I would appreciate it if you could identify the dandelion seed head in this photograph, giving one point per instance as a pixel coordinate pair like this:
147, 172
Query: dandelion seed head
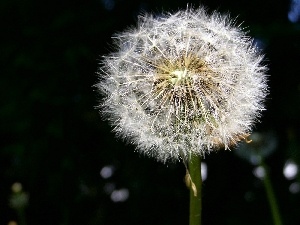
182, 84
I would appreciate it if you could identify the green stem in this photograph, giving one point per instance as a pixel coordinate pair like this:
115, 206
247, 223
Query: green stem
195, 201
271, 196
21, 215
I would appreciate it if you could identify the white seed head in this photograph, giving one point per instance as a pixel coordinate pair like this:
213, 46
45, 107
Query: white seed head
182, 84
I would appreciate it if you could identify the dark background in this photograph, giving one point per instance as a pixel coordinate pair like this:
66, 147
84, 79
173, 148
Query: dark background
55, 144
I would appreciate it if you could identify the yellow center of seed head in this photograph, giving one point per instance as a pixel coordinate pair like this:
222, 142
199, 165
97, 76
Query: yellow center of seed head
179, 76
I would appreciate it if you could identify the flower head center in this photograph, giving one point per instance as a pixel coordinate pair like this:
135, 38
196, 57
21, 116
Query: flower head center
178, 76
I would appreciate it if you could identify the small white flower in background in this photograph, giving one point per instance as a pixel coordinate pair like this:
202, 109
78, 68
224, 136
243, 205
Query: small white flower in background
182, 84
19, 199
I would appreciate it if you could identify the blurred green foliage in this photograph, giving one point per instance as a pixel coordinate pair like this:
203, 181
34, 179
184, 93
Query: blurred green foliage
55, 144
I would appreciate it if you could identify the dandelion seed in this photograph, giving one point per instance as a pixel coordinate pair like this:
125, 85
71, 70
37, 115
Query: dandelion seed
182, 84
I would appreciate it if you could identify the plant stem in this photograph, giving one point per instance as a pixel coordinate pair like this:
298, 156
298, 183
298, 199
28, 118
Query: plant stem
195, 193
271, 196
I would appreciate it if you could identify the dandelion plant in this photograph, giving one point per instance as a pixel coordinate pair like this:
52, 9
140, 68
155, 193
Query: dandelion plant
181, 85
